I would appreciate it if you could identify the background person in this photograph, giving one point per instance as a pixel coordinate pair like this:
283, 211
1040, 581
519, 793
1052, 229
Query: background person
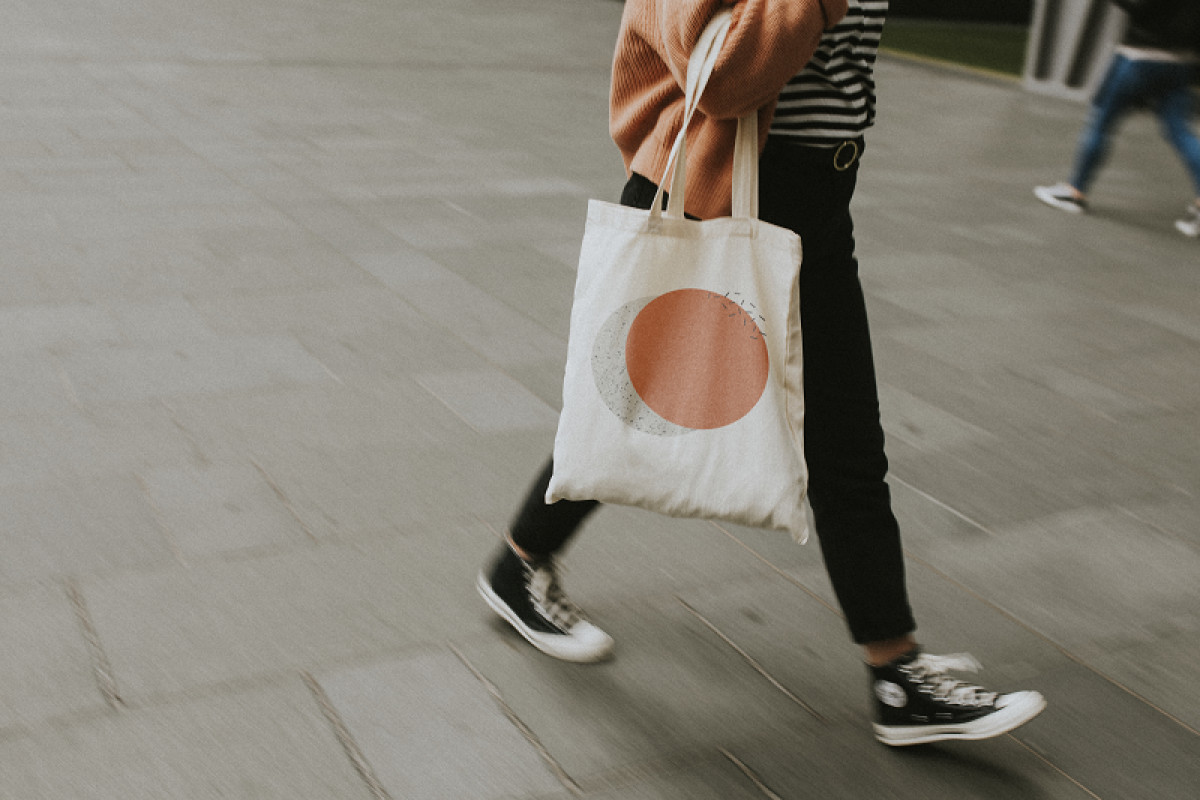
1154, 65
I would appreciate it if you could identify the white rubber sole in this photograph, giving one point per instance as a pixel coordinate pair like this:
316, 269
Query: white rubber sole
1047, 196
586, 644
1022, 707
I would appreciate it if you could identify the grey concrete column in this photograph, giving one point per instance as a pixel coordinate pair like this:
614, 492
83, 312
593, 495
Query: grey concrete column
1070, 42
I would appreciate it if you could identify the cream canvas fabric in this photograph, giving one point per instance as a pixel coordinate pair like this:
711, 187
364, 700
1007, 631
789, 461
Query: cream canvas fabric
683, 391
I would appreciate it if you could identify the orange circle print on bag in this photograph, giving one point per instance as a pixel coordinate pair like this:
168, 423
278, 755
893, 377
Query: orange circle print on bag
686, 360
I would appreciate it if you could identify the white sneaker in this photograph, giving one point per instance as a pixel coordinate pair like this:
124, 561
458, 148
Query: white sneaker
1190, 224
1062, 196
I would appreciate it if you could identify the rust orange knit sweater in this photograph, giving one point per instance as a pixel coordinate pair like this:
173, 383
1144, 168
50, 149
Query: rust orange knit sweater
769, 41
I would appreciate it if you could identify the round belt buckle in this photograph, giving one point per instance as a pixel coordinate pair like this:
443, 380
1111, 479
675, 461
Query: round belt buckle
845, 155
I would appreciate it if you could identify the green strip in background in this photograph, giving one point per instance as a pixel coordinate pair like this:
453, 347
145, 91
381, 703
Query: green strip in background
997, 48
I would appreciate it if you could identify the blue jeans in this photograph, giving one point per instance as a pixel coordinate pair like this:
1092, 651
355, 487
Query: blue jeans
1162, 85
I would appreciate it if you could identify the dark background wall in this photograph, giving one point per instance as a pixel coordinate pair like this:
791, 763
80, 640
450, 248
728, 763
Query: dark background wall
1015, 11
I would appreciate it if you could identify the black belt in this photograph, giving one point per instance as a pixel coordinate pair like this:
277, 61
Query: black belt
841, 156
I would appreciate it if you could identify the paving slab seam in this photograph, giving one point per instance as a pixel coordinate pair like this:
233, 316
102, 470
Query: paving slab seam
197, 692
500, 535
751, 775
263, 552
284, 500
150, 702
1033, 752
309, 352
679, 761
782, 573
551, 763
188, 436
346, 739
1160, 529
69, 389
168, 535
101, 666
757, 667
188, 562
944, 506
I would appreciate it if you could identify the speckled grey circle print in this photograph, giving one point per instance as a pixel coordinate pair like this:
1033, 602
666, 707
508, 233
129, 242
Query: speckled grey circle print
612, 375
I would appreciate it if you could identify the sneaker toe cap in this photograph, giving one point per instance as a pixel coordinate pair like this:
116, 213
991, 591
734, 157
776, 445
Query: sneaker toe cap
589, 643
583, 644
1021, 702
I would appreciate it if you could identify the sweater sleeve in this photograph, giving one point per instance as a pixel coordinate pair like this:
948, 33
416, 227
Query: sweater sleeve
769, 41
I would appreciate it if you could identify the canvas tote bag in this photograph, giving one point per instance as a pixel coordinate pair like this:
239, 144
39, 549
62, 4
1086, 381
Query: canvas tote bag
683, 391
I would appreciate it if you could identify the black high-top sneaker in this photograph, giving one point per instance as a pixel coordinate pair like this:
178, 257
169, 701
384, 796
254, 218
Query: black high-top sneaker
527, 594
916, 702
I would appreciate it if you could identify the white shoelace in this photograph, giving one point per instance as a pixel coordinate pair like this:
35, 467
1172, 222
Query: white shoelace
930, 672
549, 599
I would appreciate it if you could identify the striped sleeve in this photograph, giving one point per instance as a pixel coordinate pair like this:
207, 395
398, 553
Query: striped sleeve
833, 98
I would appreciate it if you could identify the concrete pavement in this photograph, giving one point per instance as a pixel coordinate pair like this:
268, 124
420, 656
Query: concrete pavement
286, 288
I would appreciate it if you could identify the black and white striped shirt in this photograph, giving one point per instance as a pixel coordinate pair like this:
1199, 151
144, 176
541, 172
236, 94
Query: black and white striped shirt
833, 98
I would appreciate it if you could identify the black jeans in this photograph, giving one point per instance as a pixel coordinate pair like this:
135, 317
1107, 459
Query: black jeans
808, 190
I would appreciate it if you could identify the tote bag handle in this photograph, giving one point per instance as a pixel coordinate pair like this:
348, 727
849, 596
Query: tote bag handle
745, 151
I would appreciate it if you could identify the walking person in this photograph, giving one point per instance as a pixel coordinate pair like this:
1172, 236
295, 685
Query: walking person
807, 67
1154, 65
